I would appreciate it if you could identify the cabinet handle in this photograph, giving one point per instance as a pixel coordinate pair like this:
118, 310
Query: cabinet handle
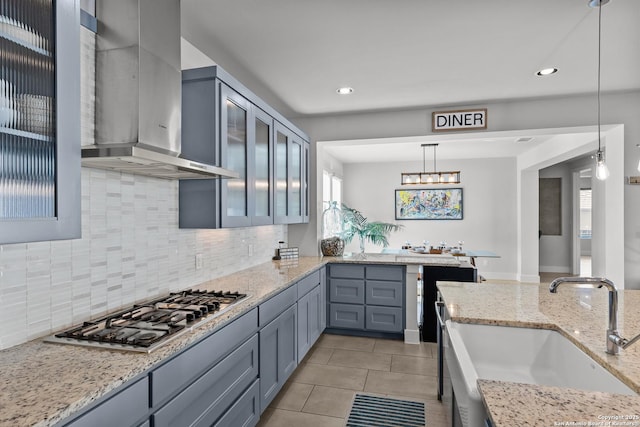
439, 304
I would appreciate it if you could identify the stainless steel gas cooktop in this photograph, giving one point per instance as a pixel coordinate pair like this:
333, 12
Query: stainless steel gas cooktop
145, 327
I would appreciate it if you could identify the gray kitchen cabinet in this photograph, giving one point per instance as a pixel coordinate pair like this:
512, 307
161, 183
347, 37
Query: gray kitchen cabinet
306, 170
184, 369
384, 293
349, 291
236, 153
127, 407
261, 166
278, 354
213, 393
309, 309
385, 319
40, 122
346, 316
200, 385
290, 175
245, 412
366, 299
323, 298
225, 124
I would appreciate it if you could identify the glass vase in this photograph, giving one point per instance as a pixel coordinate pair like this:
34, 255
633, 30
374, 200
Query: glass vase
332, 243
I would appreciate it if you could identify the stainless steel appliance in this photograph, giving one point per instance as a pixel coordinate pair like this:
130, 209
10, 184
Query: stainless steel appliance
145, 327
138, 93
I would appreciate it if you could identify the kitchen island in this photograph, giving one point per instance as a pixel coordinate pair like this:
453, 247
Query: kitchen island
579, 314
44, 383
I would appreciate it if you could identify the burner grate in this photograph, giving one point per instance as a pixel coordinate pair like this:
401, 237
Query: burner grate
144, 327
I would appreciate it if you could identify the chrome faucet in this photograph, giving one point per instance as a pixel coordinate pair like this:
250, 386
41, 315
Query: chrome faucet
614, 340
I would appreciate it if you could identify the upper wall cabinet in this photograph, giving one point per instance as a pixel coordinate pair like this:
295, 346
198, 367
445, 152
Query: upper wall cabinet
39, 120
291, 194
227, 125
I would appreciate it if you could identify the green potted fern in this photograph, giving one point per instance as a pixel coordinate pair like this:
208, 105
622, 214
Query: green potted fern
355, 224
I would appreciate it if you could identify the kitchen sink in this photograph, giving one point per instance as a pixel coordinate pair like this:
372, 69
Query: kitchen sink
524, 355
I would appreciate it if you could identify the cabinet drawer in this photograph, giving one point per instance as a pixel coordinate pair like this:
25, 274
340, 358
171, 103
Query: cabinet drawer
384, 319
126, 408
346, 316
349, 291
208, 398
185, 368
347, 271
385, 272
308, 283
383, 293
271, 308
245, 412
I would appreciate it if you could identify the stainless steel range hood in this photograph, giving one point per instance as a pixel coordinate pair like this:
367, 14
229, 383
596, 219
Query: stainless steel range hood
138, 92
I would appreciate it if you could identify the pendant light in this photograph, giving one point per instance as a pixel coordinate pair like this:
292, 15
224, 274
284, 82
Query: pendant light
602, 171
434, 177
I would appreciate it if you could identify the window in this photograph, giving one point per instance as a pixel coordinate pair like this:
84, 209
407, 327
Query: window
331, 189
585, 213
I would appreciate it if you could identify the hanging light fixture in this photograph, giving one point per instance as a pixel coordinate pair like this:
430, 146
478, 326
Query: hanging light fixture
435, 177
602, 171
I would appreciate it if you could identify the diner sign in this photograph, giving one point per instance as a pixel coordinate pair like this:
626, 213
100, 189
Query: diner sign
458, 120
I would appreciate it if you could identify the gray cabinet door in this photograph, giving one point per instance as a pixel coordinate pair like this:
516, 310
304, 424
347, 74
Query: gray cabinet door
245, 412
40, 129
209, 397
393, 273
179, 372
236, 199
384, 319
346, 316
278, 354
127, 408
346, 271
261, 173
383, 293
309, 311
350, 291
291, 191
323, 299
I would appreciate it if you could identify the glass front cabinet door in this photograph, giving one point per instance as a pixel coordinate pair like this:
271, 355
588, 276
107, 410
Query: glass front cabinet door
235, 155
39, 120
290, 192
261, 125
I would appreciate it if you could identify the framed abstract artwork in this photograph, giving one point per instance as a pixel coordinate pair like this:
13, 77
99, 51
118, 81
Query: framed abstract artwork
445, 203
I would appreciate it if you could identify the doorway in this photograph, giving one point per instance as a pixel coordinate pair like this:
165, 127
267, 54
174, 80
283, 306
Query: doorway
585, 223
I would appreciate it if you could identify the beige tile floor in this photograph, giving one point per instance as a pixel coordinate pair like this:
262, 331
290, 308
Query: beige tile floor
321, 390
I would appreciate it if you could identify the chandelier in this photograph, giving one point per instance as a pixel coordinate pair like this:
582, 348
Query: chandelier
434, 177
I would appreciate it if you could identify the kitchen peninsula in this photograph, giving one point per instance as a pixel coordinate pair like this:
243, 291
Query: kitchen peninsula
579, 315
44, 384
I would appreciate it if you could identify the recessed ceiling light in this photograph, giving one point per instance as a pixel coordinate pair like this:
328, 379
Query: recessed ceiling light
523, 139
345, 90
547, 71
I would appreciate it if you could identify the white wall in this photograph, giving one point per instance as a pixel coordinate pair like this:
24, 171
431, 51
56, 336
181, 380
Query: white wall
489, 208
622, 108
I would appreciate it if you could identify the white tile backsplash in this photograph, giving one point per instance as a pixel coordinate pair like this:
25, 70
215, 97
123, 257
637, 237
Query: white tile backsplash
129, 251
131, 247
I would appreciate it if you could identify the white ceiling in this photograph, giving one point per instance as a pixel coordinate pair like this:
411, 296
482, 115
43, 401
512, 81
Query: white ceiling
416, 53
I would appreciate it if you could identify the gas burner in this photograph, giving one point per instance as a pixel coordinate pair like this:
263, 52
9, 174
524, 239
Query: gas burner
145, 327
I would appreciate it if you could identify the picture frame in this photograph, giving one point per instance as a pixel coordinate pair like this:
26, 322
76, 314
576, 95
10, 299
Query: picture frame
429, 204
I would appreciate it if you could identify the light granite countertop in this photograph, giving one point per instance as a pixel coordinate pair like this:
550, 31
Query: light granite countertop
581, 315
43, 383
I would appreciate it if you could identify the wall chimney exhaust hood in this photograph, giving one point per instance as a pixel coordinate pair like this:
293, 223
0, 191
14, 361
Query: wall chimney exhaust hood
138, 93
